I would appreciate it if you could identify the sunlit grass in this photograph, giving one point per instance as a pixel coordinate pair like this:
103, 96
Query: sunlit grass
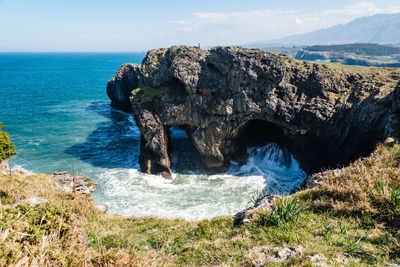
351, 217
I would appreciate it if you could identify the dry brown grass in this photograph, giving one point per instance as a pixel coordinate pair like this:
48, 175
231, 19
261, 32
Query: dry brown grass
71, 231
51, 234
363, 187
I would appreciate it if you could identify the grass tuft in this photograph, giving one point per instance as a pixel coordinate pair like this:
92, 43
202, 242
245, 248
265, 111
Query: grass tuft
287, 211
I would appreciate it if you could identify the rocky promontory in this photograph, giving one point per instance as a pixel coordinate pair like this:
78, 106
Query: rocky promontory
227, 99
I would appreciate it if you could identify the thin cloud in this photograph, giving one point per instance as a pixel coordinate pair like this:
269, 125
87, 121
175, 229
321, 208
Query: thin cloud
180, 22
363, 9
214, 17
265, 24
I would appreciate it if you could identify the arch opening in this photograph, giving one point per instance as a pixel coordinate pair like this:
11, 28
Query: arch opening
257, 133
263, 150
183, 154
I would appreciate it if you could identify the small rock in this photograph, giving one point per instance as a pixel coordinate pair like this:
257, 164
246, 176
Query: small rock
266, 254
65, 182
103, 208
312, 181
131, 218
85, 239
390, 141
244, 216
317, 259
394, 265
33, 201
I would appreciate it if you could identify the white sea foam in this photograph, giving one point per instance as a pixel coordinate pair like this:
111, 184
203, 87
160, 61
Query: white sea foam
16, 167
198, 196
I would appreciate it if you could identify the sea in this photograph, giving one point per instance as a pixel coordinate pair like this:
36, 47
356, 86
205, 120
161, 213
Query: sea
57, 111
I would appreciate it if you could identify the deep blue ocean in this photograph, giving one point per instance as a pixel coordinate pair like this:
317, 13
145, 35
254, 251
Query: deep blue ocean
57, 111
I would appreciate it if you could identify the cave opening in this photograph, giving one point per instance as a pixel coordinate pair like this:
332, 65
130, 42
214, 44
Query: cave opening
263, 149
257, 133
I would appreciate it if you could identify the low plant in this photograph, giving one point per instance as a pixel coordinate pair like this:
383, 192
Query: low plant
343, 229
257, 196
288, 210
354, 248
395, 198
328, 229
382, 187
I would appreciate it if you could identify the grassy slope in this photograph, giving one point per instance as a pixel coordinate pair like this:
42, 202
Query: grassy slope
352, 212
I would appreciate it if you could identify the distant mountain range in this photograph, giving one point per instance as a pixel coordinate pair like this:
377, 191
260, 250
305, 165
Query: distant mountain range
380, 29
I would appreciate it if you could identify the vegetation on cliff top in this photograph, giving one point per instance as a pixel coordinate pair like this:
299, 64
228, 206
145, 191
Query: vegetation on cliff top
6, 146
361, 82
146, 93
357, 48
352, 219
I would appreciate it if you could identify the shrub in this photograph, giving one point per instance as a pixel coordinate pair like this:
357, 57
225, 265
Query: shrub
4, 145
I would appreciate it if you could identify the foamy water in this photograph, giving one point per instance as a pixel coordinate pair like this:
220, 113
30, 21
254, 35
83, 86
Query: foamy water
195, 195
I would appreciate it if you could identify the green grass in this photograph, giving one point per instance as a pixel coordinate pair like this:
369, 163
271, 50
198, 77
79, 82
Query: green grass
146, 93
352, 216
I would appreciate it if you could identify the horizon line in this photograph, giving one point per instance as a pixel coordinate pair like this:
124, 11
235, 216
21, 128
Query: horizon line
49, 52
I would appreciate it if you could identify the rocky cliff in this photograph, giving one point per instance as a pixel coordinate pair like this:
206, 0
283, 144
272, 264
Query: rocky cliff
229, 98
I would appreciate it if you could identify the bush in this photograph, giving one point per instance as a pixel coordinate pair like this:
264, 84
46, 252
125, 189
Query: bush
4, 145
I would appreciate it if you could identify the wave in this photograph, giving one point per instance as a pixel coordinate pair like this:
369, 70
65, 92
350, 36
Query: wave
281, 171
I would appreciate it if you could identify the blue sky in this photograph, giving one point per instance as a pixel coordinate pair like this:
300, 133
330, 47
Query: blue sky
122, 25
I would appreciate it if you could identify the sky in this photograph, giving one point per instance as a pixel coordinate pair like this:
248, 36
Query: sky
136, 26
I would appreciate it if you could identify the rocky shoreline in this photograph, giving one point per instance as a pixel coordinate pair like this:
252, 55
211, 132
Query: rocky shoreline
229, 98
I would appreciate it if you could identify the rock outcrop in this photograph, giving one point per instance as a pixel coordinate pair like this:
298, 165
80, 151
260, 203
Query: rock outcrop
267, 254
265, 203
65, 182
229, 98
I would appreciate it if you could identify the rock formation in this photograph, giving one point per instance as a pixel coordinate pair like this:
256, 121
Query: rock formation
227, 99
65, 182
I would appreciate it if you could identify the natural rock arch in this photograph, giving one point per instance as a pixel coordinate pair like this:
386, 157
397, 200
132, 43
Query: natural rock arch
329, 114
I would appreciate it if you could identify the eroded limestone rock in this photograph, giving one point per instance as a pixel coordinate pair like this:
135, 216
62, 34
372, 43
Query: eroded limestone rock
228, 98
65, 182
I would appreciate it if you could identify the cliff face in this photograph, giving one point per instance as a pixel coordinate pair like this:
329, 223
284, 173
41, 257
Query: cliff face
227, 99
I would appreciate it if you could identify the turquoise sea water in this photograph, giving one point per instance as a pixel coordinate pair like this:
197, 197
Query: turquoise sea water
56, 108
